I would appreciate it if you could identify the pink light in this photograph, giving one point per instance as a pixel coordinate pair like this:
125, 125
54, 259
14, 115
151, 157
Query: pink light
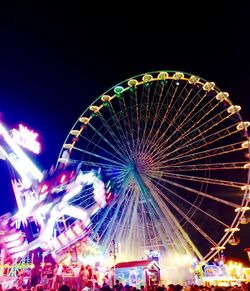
44, 188
14, 243
12, 237
27, 138
19, 255
63, 178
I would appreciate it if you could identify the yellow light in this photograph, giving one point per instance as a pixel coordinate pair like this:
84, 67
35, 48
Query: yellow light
233, 229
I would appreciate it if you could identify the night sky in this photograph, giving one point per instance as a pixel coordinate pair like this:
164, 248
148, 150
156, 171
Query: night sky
57, 59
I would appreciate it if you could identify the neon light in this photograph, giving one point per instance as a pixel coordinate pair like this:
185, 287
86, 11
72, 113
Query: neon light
18, 249
44, 188
17, 266
27, 138
16, 155
12, 237
13, 244
63, 178
19, 255
47, 213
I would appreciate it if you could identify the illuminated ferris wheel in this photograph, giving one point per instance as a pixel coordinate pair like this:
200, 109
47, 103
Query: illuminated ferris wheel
174, 151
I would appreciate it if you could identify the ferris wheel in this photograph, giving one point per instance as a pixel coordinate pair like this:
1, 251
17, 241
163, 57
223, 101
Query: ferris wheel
174, 150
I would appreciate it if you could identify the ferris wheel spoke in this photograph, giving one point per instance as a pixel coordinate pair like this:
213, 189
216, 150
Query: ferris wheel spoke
202, 194
178, 237
202, 155
193, 205
117, 133
167, 94
208, 125
120, 222
203, 167
145, 107
115, 140
189, 134
133, 109
119, 138
186, 135
190, 106
164, 220
119, 113
112, 230
183, 215
150, 232
204, 141
187, 117
159, 129
103, 217
183, 102
124, 122
153, 208
146, 226
153, 115
138, 122
160, 97
227, 183
199, 139
191, 222
151, 111
100, 157
196, 117
129, 218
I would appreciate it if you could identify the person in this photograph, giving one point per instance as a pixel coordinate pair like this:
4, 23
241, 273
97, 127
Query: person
87, 287
49, 273
76, 271
34, 277
20, 278
59, 278
170, 287
39, 287
118, 286
96, 286
177, 287
64, 287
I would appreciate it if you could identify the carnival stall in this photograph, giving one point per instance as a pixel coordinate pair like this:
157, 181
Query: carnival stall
138, 273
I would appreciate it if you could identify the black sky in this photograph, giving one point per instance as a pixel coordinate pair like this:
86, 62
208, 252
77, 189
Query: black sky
55, 59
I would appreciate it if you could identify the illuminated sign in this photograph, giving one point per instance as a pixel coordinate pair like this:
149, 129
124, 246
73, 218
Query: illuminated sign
17, 266
27, 138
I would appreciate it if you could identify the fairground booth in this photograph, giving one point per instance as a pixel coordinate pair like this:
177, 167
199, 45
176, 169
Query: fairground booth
138, 273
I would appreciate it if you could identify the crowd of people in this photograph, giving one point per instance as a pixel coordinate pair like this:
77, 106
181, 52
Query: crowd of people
76, 277
118, 286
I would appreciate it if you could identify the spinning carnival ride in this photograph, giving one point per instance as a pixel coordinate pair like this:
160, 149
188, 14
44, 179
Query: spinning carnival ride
44, 200
176, 152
